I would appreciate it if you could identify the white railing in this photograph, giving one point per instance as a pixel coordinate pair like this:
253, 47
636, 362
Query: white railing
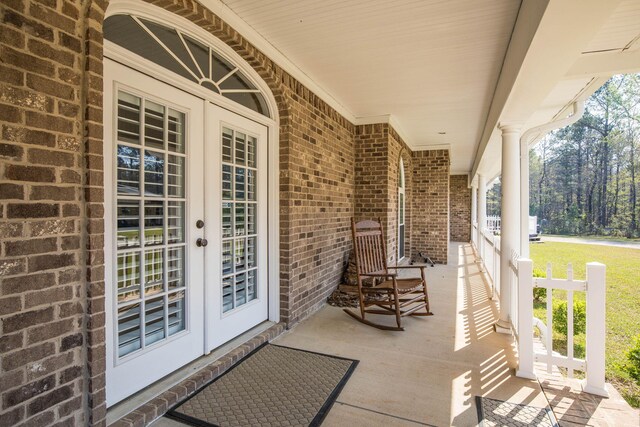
491, 261
493, 224
513, 285
594, 289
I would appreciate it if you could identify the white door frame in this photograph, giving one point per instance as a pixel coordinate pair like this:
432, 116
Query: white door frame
130, 365
127, 58
122, 55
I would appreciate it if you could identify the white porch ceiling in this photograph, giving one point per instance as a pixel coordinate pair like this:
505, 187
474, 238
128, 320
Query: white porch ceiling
454, 66
432, 65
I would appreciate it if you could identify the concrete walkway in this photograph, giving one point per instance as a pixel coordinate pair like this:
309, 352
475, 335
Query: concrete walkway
586, 241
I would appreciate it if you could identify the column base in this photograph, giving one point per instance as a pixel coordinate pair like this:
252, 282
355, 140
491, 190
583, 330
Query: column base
526, 374
598, 391
502, 327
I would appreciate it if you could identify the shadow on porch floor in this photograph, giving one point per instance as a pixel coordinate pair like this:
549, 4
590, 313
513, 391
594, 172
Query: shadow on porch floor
430, 373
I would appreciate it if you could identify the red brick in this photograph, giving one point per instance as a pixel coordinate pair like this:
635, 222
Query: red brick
28, 136
10, 114
48, 262
28, 391
11, 191
48, 331
11, 342
26, 319
49, 122
50, 87
29, 173
9, 151
32, 246
33, 210
48, 400
50, 157
27, 283
12, 417
10, 267
25, 61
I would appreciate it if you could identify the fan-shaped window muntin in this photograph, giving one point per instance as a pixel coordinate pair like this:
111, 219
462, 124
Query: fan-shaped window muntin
182, 54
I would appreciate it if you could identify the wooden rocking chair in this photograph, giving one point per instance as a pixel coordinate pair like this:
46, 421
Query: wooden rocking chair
392, 296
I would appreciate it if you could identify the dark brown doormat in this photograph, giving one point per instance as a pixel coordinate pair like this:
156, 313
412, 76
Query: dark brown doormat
272, 386
493, 412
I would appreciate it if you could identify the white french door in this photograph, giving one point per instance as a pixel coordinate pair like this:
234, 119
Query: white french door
236, 273
185, 247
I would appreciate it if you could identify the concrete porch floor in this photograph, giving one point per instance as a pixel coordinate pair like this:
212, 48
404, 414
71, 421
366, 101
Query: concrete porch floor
430, 373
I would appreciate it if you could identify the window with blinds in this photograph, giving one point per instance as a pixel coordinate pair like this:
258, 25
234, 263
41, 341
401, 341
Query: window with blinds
150, 247
239, 229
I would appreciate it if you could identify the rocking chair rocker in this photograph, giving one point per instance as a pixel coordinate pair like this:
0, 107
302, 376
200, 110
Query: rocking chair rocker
392, 296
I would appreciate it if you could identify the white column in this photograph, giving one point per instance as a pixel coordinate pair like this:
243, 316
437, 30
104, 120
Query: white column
474, 213
524, 198
482, 213
510, 218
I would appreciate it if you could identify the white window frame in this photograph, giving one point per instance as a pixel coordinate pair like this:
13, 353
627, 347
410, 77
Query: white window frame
401, 212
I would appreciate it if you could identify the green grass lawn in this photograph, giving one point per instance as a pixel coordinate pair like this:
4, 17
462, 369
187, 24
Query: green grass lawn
623, 300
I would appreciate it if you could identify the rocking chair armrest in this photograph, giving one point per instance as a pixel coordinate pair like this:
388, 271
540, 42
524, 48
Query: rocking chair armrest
397, 267
379, 275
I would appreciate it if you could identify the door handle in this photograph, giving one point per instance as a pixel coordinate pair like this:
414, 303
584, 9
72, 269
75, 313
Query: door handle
201, 242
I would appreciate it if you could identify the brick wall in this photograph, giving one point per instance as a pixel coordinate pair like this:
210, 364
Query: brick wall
316, 199
460, 208
47, 137
378, 151
430, 204
52, 204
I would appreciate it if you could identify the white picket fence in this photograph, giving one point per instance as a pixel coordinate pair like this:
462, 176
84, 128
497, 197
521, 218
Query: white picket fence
594, 288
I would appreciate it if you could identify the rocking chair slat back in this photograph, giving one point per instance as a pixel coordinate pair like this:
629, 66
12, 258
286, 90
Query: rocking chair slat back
369, 248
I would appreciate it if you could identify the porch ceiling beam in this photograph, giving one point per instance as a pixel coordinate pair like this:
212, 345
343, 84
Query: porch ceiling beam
529, 16
605, 64
539, 56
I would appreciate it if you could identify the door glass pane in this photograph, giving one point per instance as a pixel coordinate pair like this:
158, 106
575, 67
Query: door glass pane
175, 268
128, 118
227, 182
240, 174
154, 129
227, 219
153, 173
239, 218
128, 170
128, 217
153, 223
251, 218
251, 185
153, 271
176, 312
227, 257
251, 151
175, 131
227, 145
175, 222
154, 320
128, 276
175, 176
150, 250
128, 329
240, 147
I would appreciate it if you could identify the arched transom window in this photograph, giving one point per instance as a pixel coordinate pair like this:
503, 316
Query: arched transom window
172, 49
